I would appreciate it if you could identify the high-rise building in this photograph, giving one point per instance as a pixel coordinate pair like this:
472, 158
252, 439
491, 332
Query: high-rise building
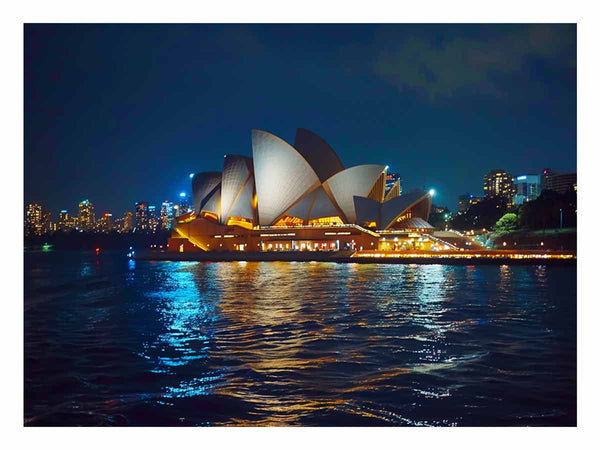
559, 182
167, 215
127, 222
499, 183
153, 219
66, 222
33, 220
73, 223
105, 224
141, 216
87, 216
526, 188
118, 224
124, 224
545, 177
184, 203
63, 220
46, 221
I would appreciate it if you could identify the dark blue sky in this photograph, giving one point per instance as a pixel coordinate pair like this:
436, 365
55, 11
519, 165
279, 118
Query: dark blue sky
123, 113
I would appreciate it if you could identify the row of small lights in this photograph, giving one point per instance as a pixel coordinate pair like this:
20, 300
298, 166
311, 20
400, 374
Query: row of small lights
459, 255
504, 244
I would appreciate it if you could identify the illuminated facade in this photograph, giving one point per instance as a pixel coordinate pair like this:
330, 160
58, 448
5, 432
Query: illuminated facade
72, 223
87, 216
153, 219
499, 183
47, 226
105, 224
125, 223
33, 220
184, 203
63, 220
167, 215
37, 220
141, 217
526, 188
297, 197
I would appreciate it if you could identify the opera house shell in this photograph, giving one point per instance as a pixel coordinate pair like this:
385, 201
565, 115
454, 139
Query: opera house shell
299, 187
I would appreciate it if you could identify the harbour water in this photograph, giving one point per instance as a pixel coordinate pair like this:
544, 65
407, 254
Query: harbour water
110, 341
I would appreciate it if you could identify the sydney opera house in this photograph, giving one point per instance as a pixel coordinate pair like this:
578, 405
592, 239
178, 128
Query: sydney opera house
298, 198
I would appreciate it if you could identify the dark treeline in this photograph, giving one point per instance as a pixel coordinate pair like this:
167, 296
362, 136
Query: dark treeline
545, 211
541, 213
439, 219
76, 240
484, 214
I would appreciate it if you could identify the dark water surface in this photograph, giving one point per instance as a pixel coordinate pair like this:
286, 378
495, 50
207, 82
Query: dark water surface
114, 342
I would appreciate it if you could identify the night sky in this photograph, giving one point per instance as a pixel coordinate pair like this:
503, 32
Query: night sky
123, 113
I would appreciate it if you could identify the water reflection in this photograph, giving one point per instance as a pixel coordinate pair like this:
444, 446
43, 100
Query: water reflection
295, 342
163, 343
276, 323
184, 317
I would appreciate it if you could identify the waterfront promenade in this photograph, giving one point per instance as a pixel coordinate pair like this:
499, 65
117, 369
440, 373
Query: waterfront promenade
374, 256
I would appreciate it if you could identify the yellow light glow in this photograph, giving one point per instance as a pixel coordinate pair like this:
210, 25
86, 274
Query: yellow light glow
240, 222
209, 215
326, 221
289, 221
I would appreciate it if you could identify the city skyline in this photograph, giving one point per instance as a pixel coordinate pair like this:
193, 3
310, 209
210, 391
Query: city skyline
498, 184
454, 207
132, 119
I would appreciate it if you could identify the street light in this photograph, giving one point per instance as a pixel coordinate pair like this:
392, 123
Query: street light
561, 218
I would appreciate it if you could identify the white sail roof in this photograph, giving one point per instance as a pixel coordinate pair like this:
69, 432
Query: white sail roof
318, 154
237, 173
281, 175
395, 207
203, 186
354, 181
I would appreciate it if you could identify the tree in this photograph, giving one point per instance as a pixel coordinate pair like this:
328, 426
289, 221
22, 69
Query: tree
439, 219
481, 215
507, 223
544, 212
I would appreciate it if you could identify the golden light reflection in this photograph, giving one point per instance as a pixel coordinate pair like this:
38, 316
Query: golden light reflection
282, 333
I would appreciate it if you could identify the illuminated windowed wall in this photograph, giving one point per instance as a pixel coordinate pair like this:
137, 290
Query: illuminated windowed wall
87, 216
105, 224
326, 221
167, 215
499, 183
141, 216
526, 188
33, 220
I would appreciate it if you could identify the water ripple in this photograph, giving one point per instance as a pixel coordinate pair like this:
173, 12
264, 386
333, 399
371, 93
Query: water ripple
111, 342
